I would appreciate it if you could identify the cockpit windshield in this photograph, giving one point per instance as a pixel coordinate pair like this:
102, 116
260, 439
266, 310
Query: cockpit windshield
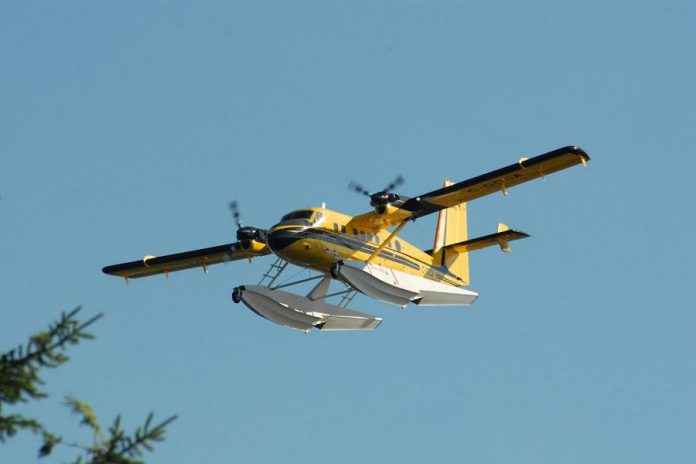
301, 214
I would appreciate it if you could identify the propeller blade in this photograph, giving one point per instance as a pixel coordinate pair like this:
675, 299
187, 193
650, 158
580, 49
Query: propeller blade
358, 188
234, 207
395, 183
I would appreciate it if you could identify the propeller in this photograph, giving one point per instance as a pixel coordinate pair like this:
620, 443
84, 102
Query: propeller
358, 188
395, 183
392, 185
380, 199
234, 207
246, 234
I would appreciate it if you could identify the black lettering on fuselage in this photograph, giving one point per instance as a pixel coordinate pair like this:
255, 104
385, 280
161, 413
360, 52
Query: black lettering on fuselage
494, 184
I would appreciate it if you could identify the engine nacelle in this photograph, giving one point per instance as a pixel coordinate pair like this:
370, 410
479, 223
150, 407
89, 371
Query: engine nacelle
253, 246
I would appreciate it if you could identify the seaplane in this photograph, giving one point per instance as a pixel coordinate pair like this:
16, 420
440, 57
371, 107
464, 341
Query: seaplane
365, 253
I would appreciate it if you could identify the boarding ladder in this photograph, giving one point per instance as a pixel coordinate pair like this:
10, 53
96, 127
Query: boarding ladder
347, 296
273, 272
277, 268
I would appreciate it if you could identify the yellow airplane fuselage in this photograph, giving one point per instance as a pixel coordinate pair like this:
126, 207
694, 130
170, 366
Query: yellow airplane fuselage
318, 237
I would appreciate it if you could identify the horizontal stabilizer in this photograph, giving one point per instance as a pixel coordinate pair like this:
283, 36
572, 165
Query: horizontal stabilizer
501, 239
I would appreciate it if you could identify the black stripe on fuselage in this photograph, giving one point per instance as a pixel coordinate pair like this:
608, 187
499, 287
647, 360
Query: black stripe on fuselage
360, 245
285, 237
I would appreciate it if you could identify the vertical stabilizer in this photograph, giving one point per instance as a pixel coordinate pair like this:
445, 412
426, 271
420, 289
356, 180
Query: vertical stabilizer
451, 229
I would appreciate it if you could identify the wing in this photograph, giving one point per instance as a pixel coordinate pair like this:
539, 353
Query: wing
376, 221
151, 265
495, 181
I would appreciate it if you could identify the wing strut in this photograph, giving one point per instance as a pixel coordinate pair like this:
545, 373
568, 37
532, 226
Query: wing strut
384, 243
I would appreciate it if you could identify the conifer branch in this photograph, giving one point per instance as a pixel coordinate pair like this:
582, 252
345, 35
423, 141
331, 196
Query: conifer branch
20, 381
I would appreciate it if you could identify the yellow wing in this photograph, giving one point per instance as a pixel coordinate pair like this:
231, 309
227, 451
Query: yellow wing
373, 220
151, 265
495, 181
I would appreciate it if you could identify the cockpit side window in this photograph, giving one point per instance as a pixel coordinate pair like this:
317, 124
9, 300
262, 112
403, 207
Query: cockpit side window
302, 214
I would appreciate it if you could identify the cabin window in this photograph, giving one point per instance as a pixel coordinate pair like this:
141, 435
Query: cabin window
398, 245
335, 227
377, 239
369, 237
362, 235
343, 229
355, 232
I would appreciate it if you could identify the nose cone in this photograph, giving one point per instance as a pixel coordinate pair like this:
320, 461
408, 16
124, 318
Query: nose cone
280, 238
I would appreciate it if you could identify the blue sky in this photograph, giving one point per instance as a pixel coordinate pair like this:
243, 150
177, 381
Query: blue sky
126, 128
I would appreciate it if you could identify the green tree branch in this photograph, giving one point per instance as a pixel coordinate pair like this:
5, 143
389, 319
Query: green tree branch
20, 382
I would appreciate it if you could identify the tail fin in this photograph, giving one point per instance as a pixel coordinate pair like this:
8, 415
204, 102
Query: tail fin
451, 229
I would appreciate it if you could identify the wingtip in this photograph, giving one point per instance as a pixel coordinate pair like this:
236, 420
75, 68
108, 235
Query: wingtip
578, 151
519, 232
